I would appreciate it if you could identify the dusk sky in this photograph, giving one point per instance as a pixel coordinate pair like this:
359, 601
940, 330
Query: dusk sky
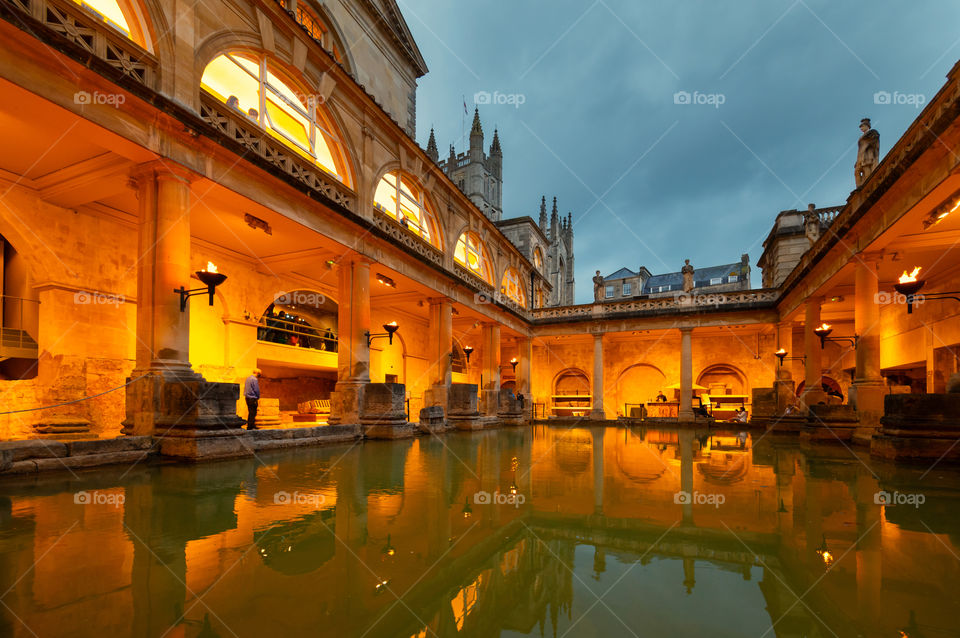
588, 111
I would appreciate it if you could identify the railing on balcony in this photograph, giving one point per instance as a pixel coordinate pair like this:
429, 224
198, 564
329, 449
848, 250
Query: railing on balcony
92, 34
288, 332
828, 215
681, 302
15, 341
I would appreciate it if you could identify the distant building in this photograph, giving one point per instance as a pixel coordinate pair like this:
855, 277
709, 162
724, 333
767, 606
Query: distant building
627, 284
792, 235
479, 175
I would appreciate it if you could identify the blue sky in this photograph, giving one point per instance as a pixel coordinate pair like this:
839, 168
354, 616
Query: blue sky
589, 110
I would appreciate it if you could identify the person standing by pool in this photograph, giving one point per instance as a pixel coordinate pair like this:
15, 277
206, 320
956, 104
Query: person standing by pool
251, 392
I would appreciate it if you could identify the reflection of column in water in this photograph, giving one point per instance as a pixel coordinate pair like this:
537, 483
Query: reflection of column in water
350, 528
785, 469
599, 561
869, 551
598, 470
686, 472
689, 580
16, 566
814, 521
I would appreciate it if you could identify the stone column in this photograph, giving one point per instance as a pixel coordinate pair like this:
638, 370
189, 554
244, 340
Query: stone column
598, 412
525, 371
353, 351
440, 332
813, 391
686, 375
491, 369
868, 386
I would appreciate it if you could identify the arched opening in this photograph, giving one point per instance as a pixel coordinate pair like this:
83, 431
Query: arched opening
459, 364
637, 385
512, 286
19, 311
723, 379
571, 393
125, 17
829, 385
471, 253
300, 318
400, 197
259, 88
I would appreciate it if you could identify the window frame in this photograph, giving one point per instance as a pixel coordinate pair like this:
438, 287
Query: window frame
427, 224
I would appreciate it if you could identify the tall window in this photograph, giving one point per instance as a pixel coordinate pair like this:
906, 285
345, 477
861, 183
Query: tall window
472, 255
399, 197
254, 87
608, 292
538, 258
512, 286
318, 30
120, 18
627, 289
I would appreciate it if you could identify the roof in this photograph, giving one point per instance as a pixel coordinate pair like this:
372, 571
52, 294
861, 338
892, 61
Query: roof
623, 273
391, 17
701, 276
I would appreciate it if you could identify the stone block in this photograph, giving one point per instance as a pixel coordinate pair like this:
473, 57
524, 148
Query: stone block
462, 400
268, 413
109, 446
921, 415
23, 450
953, 383
764, 402
383, 412
204, 448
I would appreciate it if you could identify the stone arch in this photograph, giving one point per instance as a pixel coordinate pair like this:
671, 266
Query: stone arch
571, 379
319, 309
430, 201
392, 358
733, 380
638, 384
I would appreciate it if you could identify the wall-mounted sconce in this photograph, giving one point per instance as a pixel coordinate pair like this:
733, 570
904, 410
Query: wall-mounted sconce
208, 276
390, 328
782, 355
823, 331
386, 281
514, 363
468, 350
908, 285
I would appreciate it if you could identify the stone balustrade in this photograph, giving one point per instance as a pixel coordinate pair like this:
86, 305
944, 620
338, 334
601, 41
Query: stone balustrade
678, 303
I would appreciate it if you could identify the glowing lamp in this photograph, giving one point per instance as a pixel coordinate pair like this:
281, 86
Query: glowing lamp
210, 277
514, 363
468, 350
781, 354
390, 329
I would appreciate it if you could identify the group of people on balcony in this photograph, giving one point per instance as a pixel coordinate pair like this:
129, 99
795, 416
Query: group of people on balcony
279, 326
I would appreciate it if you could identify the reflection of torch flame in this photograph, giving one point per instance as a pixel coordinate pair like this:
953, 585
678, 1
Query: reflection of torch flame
909, 278
211, 267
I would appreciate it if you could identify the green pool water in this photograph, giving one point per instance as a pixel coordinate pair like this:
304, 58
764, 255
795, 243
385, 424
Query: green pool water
533, 531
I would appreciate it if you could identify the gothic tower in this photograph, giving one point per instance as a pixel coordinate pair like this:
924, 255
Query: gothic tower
479, 175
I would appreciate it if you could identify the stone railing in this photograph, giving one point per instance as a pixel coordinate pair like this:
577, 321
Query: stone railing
681, 302
85, 30
474, 280
827, 215
239, 128
414, 242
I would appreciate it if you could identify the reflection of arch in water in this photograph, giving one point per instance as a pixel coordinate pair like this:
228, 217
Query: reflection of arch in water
573, 451
299, 546
640, 463
722, 374
638, 384
726, 474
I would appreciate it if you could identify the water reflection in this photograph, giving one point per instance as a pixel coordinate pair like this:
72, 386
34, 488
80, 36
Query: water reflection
544, 531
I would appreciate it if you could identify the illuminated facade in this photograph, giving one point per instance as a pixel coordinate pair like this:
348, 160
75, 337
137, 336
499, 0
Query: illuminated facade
151, 148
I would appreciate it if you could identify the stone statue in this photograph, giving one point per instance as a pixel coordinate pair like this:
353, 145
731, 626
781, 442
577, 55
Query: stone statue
868, 152
598, 287
687, 272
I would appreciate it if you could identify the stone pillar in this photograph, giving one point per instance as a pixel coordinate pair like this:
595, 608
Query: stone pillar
813, 391
491, 369
525, 372
166, 397
440, 336
686, 375
867, 391
353, 351
598, 412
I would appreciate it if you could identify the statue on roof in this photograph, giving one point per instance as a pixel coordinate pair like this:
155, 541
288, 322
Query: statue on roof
868, 152
687, 272
598, 287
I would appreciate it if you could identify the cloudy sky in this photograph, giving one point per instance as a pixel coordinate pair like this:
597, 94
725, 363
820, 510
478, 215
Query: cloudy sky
588, 109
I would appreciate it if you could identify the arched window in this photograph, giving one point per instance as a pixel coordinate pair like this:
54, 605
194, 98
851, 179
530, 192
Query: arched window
512, 286
319, 31
399, 197
253, 86
538, 258
472, 255
538, 297
120, 16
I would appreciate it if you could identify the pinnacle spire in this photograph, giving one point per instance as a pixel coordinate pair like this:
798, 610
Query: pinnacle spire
477, 127
543, 213
432, 146
495, 145
554, 214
